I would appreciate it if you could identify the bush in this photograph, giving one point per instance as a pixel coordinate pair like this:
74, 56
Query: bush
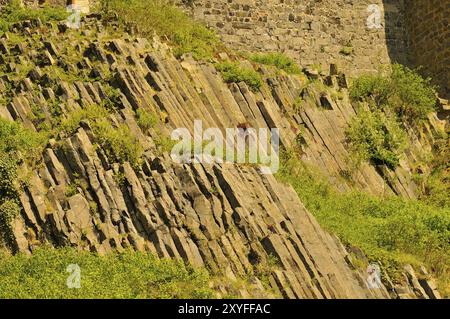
278, 60
391, 231
126, 275
403, 92
374, 136
374, 87
414, 96
15, 139
167, 21
9, 210
232, 72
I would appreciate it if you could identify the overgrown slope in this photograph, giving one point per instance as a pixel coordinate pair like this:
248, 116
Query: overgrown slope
86, 166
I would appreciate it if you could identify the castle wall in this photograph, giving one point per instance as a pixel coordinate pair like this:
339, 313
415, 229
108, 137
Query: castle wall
312, 32
429, 39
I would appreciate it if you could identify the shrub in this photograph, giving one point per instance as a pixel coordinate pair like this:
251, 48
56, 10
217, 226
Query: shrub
232, 72
8, 175
9, 210
374, 87
15, 139
374, 136
403, 92
124, 275
167, 21
278, 60
414, 96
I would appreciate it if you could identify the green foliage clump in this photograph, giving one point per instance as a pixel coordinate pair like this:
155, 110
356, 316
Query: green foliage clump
145, 119
9, 210
167, 21
391, 231
118, 142
15, 139
112, 98
232, 72
13, 12
374, 136
403, 92
127, 275
376, 88
278, 60
16, 144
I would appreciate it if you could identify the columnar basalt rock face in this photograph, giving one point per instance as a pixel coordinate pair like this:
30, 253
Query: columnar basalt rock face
429, 39
312, 32
229, 218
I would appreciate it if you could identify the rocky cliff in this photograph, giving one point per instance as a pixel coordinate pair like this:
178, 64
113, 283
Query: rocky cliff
228, 218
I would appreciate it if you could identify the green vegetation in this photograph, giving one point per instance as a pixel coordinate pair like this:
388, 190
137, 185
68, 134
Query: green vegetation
232, 72
118, 142
347, 50
401, 98
13, 13
403, 92
391, 231
145, 119
16, 144
125, 275
278, 60
376, 137
167, 21
436, 183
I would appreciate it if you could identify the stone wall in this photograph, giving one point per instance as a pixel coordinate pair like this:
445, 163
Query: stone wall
429, 39
312, 32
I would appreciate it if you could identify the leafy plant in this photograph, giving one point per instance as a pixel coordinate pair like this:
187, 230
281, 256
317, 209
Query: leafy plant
232, 72
403, 92
374, 136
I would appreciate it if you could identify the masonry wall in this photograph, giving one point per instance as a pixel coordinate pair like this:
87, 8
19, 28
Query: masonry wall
311, 31
429, 39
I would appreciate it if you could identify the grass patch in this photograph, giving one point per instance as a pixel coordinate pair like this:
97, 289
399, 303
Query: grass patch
127, 275
167, 21
232, 72
391, 231
279, 60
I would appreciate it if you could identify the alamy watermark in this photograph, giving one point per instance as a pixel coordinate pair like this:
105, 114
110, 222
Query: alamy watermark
374, 19
74, 20
74, 279
373, 276
242, 144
